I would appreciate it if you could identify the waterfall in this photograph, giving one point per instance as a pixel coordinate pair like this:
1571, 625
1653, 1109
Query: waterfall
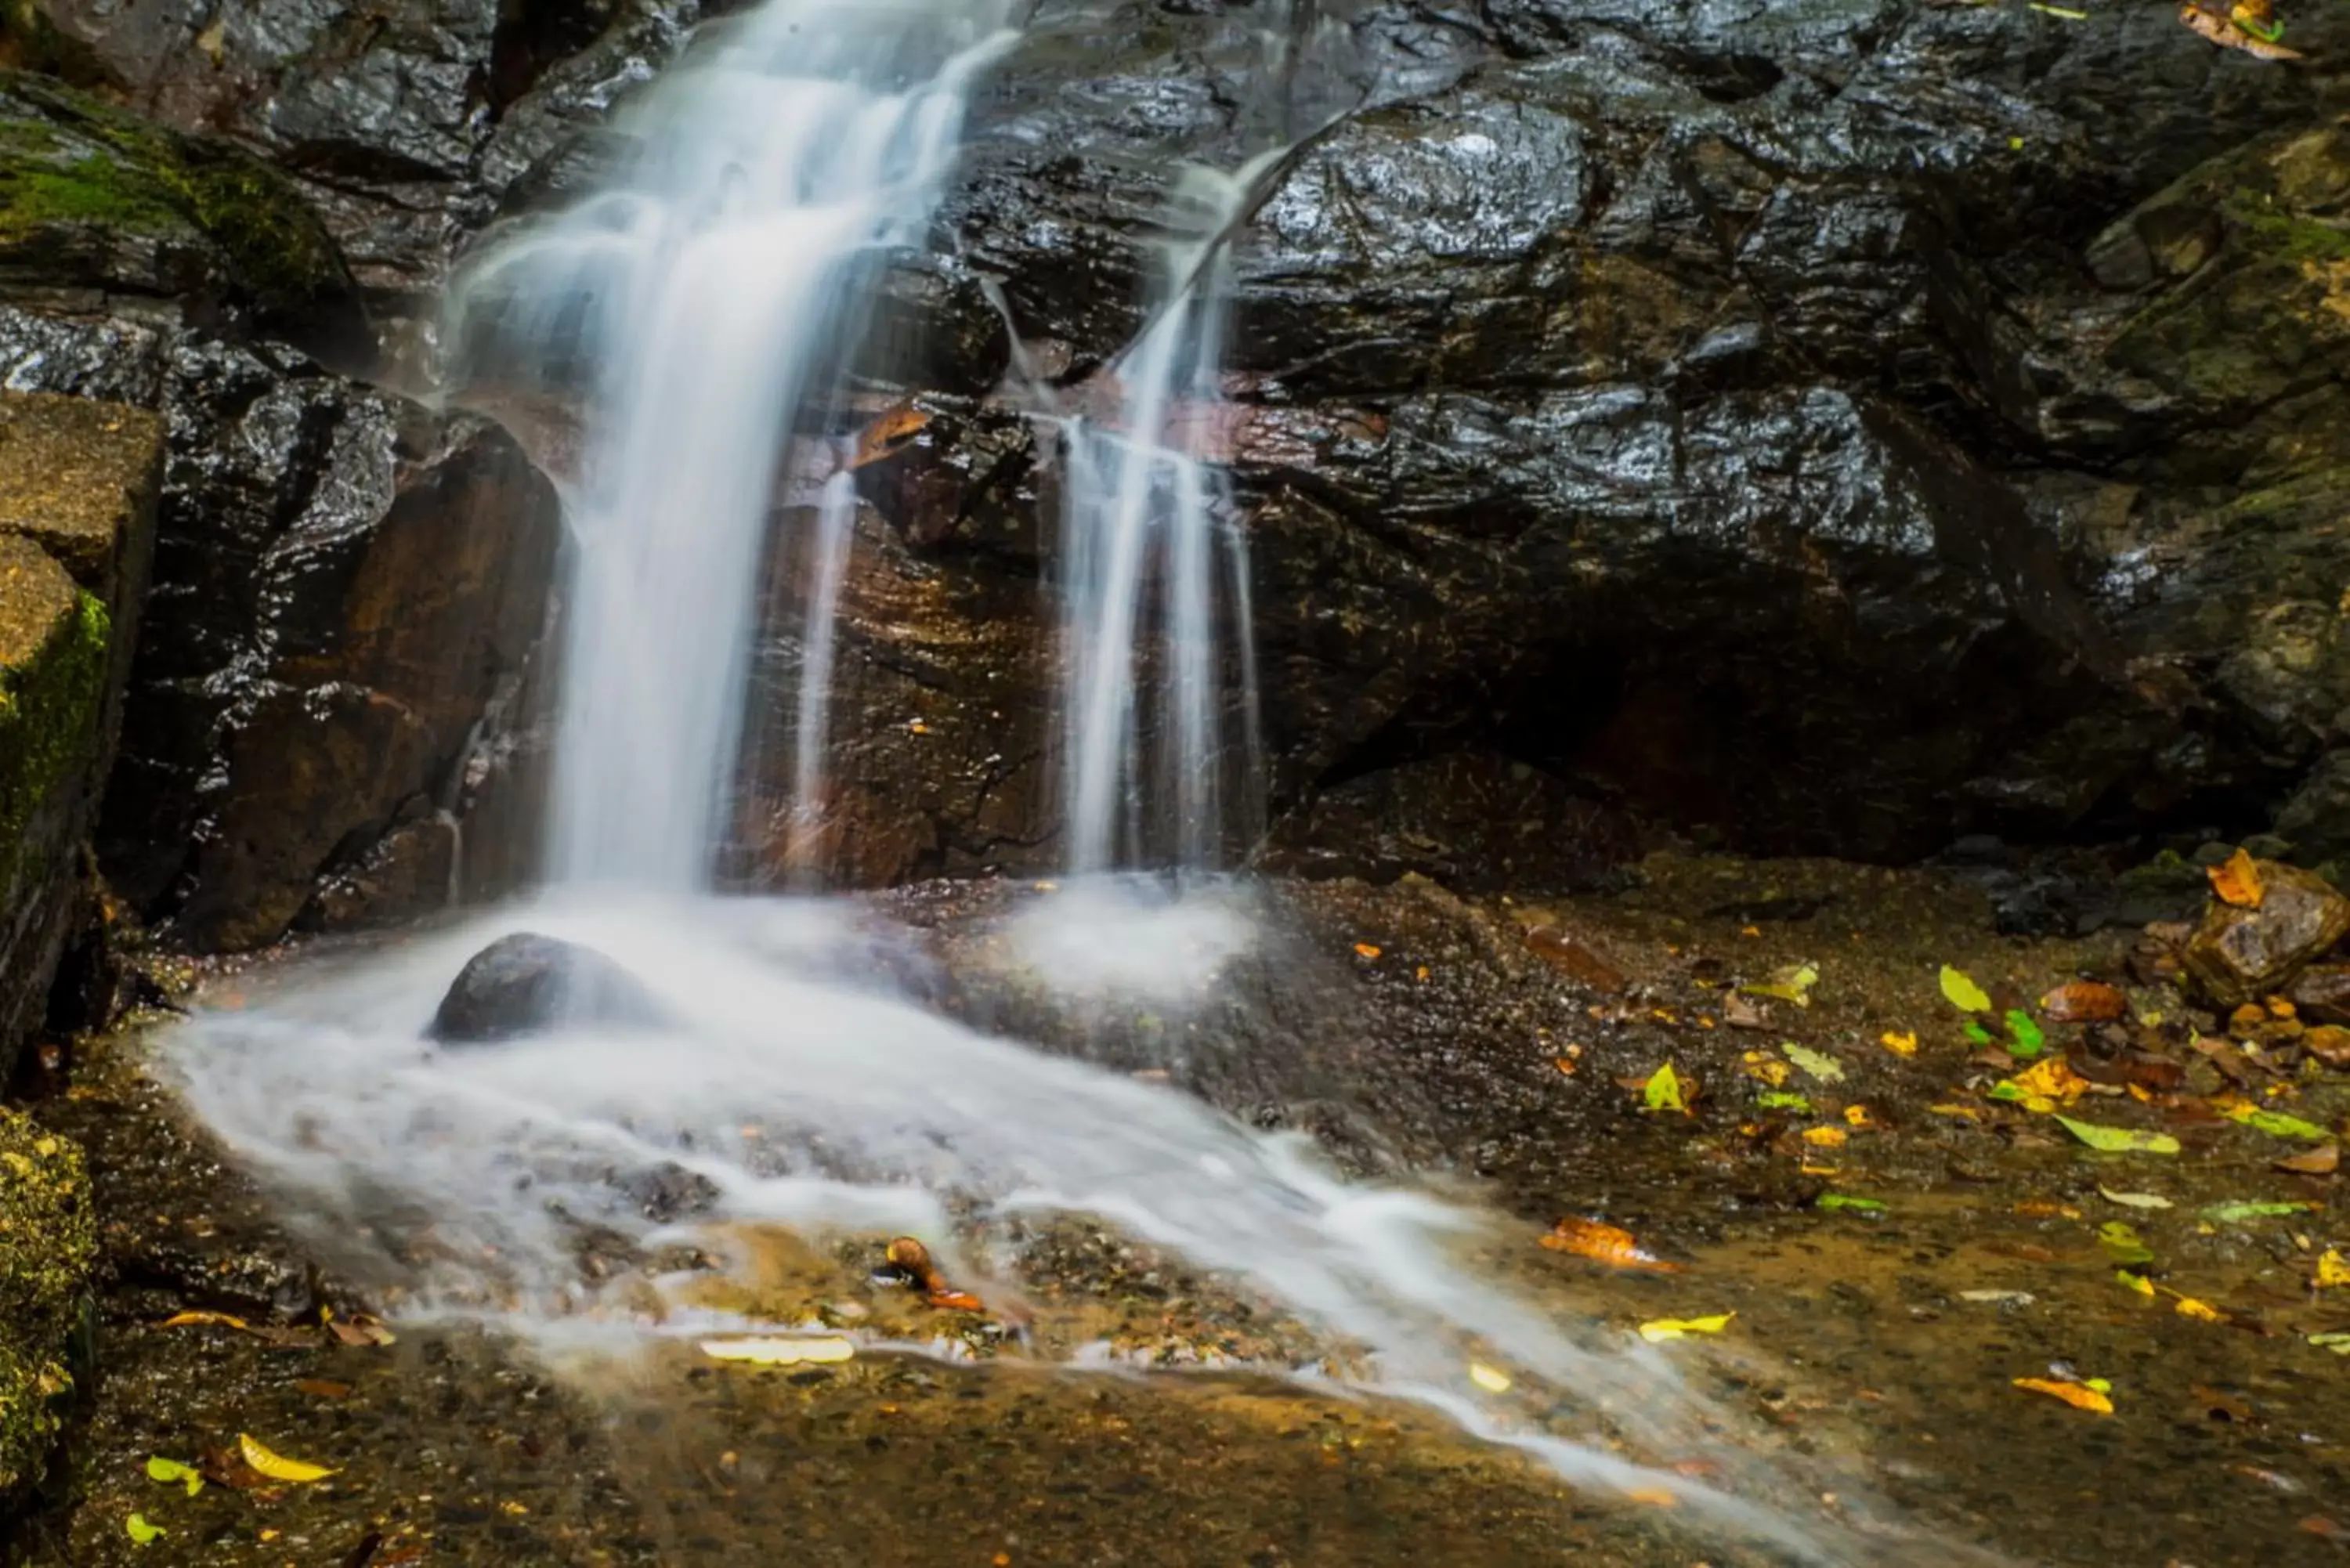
1149, 544
704, 296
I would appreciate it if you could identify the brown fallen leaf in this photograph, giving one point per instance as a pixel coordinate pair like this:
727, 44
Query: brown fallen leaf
2227, 36
1562, 952
1741, 1013
2084, 1001
953, 1300
360, 1328
1604, 1244
2220, 1406
2323, 1160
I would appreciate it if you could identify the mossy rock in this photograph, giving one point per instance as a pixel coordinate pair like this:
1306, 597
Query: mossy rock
52, 665
92, 195
48, 1243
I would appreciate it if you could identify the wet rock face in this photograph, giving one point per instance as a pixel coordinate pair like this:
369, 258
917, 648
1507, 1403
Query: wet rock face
349, 595
524, 983
1829, 429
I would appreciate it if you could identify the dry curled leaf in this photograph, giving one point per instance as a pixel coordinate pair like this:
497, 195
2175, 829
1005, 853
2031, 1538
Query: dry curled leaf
1604, 1244
2323, 1161
781, 1350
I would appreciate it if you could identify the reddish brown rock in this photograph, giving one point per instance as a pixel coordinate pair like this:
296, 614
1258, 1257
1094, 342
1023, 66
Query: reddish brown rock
2239, 954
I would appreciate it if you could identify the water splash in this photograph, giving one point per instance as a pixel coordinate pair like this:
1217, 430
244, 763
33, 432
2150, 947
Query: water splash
705, 297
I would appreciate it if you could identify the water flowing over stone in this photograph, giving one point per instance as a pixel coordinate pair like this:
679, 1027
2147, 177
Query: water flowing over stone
704, 297
1155, 570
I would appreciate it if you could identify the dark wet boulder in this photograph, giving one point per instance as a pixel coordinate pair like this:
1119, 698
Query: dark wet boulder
527, 984
1823, 429
2240, 953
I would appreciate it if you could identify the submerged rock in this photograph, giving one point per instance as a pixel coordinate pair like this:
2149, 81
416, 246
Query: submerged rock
2241, 953
526, 983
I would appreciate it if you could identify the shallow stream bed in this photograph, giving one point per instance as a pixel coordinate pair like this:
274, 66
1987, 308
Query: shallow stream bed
1876, 1347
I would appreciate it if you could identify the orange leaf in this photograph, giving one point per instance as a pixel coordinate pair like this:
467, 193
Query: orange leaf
2237, 881
1604, 1244
895, 426
2084, 1001
2078, 1395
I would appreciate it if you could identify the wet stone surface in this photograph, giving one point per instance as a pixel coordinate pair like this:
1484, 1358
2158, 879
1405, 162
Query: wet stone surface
1497, 1048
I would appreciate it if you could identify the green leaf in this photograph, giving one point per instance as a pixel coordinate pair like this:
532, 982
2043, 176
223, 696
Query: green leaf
1793, 983
1832, 1202
168, 1470
1779, 1100
2339, 1344
142, 1532
1827, 1069
1978, 1033
2276, 1124
1963, 992
1663, 1090
2023, 1036
2231, 1213
2006, 1090
2120, 1140
2122, 1242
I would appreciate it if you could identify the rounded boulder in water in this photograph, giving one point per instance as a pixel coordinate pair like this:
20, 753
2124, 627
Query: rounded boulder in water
527, 984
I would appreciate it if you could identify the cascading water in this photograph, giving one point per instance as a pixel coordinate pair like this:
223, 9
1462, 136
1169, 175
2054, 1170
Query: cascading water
1148, 539
710, 288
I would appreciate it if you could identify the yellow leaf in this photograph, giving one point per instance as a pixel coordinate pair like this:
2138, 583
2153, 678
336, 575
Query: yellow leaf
1767, 1069
1857, 1116
1658, 1330
1968, 1113
1365, 950
1654, 1496
2202, 1312
1825, 1137
1962, 992
780, 1351
1662, 1092
2331, 1271
2237, 881
207, 1320
277, 1467
2137, 1283
1492, 1379
140, 1531
2052, 1080
1902, 1044
2080, 1396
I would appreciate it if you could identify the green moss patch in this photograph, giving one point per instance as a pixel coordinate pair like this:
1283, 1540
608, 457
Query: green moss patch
69, 160
53, 663
49, 1242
